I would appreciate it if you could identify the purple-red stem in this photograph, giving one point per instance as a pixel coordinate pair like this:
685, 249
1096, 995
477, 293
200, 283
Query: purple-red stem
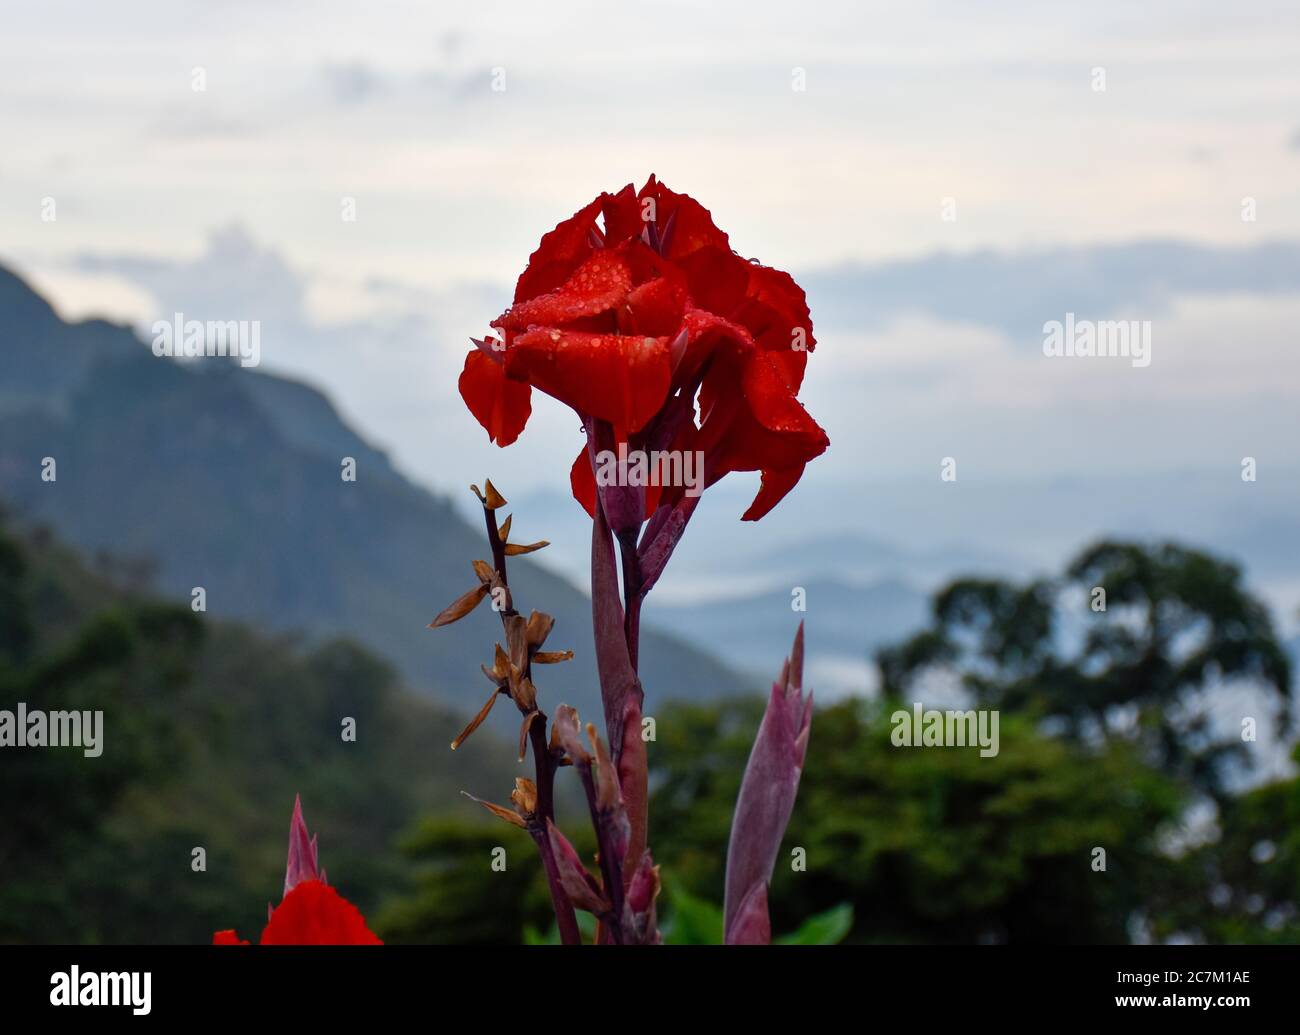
610, 865
632, 583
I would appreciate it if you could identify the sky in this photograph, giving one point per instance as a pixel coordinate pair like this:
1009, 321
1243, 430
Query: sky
944, 178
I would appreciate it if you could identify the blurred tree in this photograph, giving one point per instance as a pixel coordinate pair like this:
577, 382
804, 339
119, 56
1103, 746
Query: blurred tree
1243, 885
460, 898
925, 845
209, 730
1117, 648
56, 801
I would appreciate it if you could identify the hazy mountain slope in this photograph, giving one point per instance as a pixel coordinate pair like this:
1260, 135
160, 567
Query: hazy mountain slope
845, 623
209, 730
229, 479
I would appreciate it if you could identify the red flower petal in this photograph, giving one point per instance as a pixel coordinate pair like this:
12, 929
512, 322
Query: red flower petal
764, 429
501, 405
623, 379
560, 253
704, 333
775, 485
583, 482
611, 320
598, 285
315, 914
227, 938
656, 307
717, 279
717, 276
769, 385
622, 213
773, 308
693, 226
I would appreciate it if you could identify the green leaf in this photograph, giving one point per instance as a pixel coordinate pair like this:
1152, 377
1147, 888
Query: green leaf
532, 936
828, 928
692, 921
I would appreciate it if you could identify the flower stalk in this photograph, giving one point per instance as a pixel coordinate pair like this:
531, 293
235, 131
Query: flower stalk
512, 673
639, 314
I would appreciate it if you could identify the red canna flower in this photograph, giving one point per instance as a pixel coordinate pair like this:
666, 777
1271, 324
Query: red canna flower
673, 350
635, 322
311, 912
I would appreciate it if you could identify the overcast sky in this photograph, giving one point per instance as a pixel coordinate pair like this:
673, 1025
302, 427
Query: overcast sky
225, 202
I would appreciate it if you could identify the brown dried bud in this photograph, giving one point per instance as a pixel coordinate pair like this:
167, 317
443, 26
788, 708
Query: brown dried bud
523, 732
566, 734
516, 640
524, 693
475, 722
492, 500
525, 797
538, 628
499, 673
513, 550
460, 607
500, 811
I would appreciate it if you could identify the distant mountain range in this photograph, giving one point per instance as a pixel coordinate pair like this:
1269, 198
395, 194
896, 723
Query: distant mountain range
846, 622
229, 478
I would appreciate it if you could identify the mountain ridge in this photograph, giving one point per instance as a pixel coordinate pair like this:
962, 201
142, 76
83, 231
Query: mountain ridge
229, 479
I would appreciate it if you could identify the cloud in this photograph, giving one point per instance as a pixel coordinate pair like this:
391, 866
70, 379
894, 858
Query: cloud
917, 360
352, 82
233, 278
387, 352
1017, 292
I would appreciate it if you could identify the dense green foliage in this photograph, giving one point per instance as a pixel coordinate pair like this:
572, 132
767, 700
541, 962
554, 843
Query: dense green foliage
943, 845
926, 844
209, 731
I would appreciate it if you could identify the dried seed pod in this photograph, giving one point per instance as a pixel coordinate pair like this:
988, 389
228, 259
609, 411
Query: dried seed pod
500, 811
475, 722
524, 796
513, 550
566, 734
538, 628
460, 607
494, 500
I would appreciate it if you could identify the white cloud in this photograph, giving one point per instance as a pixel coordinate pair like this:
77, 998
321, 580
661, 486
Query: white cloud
904, 106
1220, 386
